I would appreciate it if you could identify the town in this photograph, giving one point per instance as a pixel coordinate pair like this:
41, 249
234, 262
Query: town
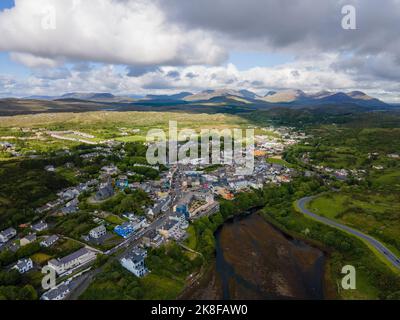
168, 199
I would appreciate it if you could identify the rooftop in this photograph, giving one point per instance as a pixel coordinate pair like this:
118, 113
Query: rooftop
71, 257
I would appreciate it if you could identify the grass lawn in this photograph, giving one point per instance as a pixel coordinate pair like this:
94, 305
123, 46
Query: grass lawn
191, 241
66, 247
40, 258
68, 174
387, 179
161, 288
280, 161
364, 291
132, 139
329, 206
114, 219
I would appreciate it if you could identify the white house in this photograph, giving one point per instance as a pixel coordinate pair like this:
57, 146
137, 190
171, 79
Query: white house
24, 265
135, 264
98, 232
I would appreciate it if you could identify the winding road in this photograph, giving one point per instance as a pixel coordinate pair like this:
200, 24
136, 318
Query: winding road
390, 256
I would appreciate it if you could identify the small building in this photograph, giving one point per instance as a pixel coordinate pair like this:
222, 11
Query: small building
47, 243
7, 234
30, 238
24, 265
122, 182
39, 227
98, 232
76, 259
134, 263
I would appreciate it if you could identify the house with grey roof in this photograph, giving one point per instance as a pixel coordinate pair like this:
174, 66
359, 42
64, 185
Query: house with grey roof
106, 191
48, 242
39, 227
71, 207
98, 232
76, 259
7, 234
13, 246
134, 263
30, 238
56, 294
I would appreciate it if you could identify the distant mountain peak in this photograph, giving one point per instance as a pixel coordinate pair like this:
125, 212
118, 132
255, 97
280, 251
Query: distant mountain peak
88, 95
177, 96
270, 93
211, 94
359, 95
288, 95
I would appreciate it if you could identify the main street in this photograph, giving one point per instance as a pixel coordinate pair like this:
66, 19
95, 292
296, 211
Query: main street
131, 242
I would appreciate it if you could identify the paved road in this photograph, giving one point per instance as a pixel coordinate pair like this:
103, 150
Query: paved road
134, 240
395, 261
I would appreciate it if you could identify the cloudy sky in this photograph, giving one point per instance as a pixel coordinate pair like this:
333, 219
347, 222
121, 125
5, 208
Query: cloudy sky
49, 47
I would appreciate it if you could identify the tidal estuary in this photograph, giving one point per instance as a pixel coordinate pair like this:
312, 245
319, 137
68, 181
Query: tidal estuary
254, 260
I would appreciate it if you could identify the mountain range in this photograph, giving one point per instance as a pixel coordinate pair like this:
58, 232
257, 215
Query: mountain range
295, 98
284, 97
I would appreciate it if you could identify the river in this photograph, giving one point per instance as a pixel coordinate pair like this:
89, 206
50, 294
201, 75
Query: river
254, 260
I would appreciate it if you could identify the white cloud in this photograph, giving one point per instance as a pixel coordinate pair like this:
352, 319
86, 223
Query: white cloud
33, 61
132, 32
174, 45
307, 75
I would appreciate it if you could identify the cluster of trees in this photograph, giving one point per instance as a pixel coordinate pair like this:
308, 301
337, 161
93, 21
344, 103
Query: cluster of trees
24, 186
7, 256
114, 283
12, 287
125, 201
75, 225
24, 293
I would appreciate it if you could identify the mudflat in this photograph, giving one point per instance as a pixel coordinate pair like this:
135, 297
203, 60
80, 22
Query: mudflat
254, 260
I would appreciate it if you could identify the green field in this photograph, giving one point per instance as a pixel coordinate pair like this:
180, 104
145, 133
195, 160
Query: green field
281, 162
373, 213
